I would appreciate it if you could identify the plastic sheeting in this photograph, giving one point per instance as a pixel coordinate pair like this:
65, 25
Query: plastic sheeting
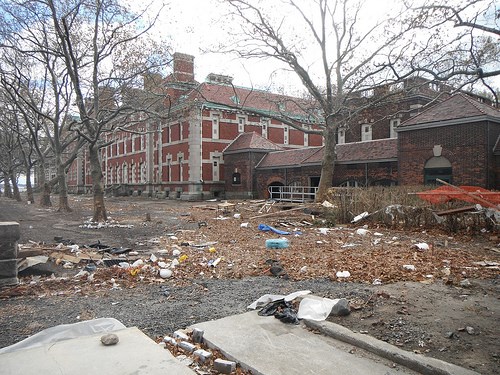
65, 332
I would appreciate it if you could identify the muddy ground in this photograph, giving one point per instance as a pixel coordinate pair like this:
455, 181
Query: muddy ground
447, 308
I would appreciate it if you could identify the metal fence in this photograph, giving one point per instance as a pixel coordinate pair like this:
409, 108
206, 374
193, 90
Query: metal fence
292, 193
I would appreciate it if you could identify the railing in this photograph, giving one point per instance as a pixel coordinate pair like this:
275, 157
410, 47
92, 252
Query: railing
292, 193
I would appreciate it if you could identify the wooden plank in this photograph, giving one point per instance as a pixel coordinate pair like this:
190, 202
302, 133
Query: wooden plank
277, 213
456, 211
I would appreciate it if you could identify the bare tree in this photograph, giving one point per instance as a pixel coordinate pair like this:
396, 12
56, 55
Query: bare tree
337, 55
92, 56
106, 49
457, 42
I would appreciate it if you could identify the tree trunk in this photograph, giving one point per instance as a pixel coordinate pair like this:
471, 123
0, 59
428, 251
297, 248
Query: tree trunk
29, 187
45, 188
63, 187
15, 188
97, 187
6, 187
328, 163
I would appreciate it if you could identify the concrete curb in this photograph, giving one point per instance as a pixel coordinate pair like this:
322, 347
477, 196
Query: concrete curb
416, 362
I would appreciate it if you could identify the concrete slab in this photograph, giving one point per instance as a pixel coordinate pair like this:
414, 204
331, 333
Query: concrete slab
267, 346
135, 354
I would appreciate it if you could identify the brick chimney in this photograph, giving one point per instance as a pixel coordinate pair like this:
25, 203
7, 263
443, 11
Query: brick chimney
183, 67
181, 81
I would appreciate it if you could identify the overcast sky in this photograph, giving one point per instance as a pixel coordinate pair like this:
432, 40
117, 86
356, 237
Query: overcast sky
194, 27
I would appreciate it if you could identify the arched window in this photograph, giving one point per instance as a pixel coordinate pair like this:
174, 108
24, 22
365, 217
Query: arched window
437, 167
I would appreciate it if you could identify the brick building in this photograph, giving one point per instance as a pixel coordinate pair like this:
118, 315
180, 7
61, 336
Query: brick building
182, 157
221, 140
456, 140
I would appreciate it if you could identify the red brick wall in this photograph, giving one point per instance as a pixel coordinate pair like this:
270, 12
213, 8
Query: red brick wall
468, 147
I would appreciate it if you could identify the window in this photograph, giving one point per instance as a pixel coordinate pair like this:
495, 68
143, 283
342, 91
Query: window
265, 125
398, 86
434, 86
236, 178
133, 142
143, 172
306, 139
143, 141
366, 132
367, 93
215, 168
350, 183
180, 168
394, 123
341, 136
125, 173
215, 126
235, 99
241, 124
285, 135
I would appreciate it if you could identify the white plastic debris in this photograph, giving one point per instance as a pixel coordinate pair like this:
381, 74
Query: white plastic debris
327, 204
174, 263
422, 246
323, 230
165, 273
153, 258
409, 267
377, 282
303, 269
237, 216
362, 231
360, 217
124, 265
266, 298
162, 264
176, 252
73, 248
315, 309
244, 225
343, 274
137, 263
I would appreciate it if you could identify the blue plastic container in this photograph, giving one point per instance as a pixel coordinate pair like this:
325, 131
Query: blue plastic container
279, 243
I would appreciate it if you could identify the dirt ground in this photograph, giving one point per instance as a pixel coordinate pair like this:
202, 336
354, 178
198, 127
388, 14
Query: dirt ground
442, 301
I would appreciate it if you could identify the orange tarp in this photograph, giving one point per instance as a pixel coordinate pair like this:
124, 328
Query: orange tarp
471, 194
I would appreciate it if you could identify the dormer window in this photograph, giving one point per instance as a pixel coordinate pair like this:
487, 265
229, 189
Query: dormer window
235, 99
367, 93
434, 86
366, 132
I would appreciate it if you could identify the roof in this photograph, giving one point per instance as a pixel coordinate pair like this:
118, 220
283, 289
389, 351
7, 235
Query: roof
457, 107
287, 158
251, 141
376, 150
349, 153
253, 100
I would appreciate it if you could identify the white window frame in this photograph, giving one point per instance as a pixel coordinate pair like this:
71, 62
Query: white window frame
306, 139
216, 168
367, 93
215, 126
393, 124
265, 127
286, 134
341, 136
366, 133
180, 161
241, 124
